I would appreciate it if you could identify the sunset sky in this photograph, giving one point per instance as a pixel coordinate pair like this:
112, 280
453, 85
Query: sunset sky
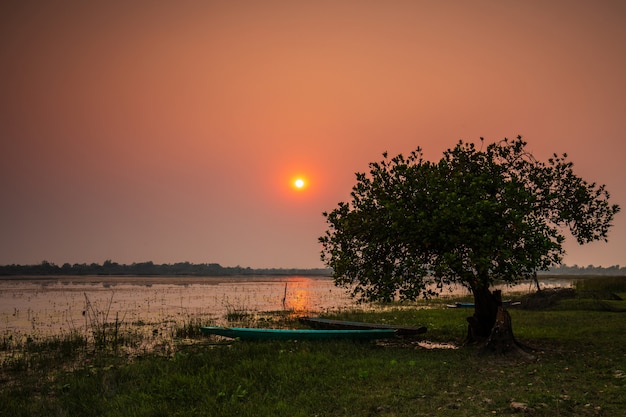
172, 131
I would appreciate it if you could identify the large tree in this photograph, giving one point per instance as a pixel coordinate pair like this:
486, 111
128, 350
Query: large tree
476, 217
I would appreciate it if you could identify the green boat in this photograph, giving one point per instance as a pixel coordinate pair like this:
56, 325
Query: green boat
246, 333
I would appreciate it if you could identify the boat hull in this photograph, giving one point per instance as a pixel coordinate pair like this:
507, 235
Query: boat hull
506, 303
244, 333
460, 305
320, 323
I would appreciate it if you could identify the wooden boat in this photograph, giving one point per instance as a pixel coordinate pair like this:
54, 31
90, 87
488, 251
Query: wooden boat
246, 333
460, 305
505, 303
320, 323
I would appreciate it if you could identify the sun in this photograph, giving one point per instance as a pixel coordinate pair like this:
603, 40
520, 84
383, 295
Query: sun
298, 182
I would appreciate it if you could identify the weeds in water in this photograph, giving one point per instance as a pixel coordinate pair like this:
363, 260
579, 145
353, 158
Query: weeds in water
108, 334
21, 361
98, 321
190, 329
239, 315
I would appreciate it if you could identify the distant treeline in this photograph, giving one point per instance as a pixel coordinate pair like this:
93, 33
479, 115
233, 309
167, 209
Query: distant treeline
212, 269
149, 268
586, 270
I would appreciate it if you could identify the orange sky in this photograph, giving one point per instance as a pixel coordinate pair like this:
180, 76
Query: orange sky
171, 131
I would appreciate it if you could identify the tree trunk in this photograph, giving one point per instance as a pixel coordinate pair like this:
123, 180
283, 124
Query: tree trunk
490, 327
486, 304
501, 339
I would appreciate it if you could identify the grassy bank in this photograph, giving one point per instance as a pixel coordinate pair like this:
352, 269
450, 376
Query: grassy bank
579, 369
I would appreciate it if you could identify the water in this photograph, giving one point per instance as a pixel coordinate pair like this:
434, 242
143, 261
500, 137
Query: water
58, 305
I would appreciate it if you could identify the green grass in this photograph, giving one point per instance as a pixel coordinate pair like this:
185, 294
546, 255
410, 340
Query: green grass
579, 370
615, 284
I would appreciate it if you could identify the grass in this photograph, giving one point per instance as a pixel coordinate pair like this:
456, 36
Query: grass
579, 370
614, 284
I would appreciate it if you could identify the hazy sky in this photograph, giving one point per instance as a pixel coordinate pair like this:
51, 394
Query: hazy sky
171, 131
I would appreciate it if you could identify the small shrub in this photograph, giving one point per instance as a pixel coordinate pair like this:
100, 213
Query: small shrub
546, 298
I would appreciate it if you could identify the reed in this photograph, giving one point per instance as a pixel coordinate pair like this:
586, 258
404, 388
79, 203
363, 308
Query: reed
190, 328
104, 332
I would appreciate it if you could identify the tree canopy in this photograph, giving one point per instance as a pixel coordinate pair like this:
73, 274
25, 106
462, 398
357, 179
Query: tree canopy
478, 215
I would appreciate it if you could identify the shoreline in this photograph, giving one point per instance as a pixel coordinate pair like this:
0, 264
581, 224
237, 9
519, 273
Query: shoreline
158, 279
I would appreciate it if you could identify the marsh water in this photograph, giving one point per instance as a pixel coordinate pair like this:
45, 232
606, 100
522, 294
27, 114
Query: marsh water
46, 306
